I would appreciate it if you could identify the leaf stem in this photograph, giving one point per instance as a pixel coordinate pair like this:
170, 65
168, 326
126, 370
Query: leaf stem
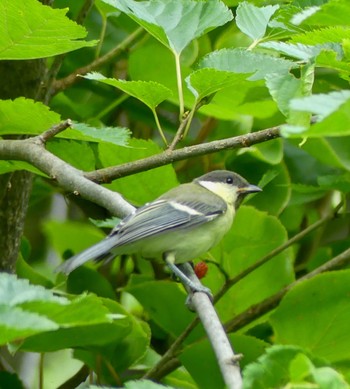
179, 85
102, 37
159, 127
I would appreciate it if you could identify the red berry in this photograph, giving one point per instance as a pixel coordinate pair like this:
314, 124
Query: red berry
201, 269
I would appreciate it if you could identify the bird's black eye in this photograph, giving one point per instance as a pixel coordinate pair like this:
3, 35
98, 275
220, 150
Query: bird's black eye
229, 180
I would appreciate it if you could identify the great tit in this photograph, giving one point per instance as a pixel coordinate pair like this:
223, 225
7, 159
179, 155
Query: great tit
182, 224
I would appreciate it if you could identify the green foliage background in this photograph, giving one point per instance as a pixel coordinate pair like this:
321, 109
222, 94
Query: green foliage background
225, 69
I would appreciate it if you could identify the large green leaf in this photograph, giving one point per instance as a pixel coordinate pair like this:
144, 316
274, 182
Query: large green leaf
81, 131
149, 92
322, 300
331, 13
300, 51
243, 61
30, 30
205, 82
332, 110
253, 20
71, 236
15, 115
253, 235
25, 116
283, 87
43, 321
169, 303
175, 23
86, 322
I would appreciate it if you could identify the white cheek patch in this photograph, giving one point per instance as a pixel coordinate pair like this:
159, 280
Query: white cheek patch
184, 208
225, 191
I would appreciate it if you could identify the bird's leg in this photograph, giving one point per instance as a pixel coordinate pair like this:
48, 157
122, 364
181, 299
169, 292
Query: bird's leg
169, 259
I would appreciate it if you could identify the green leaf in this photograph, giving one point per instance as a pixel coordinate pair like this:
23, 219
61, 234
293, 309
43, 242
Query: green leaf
332, 109
300, 51
331, 13
271, 369
175, 23
322, 105
105, 10
329, 59
243, 61
322, 300
170, 303
82, 131
30, 30
283, 88
253, 20
322, 35
124, 352
25, 116
205, 82
253, 235
71, 236
24, 270
77, 154
149, 92
16, 322
86, 322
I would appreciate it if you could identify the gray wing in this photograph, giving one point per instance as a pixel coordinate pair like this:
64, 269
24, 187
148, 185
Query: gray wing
150, 220
164, 216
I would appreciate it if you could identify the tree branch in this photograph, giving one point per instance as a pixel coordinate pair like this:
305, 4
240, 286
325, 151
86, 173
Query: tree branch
32, 150
110, 173
227, 360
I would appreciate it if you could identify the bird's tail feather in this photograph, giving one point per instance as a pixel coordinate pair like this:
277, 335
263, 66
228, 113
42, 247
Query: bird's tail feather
95, 252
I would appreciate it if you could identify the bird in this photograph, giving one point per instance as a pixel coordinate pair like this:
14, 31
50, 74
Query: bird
179, 226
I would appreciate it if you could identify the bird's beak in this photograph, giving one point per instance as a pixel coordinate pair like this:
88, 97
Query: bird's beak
249, 189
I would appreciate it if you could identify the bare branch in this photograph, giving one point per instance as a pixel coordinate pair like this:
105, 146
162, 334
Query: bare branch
166, 157
54, 130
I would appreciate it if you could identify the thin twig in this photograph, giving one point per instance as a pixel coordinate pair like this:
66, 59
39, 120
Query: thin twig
185, 124
84, 10
54, 130
179, 133
65, 82
110, 173
155, 372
